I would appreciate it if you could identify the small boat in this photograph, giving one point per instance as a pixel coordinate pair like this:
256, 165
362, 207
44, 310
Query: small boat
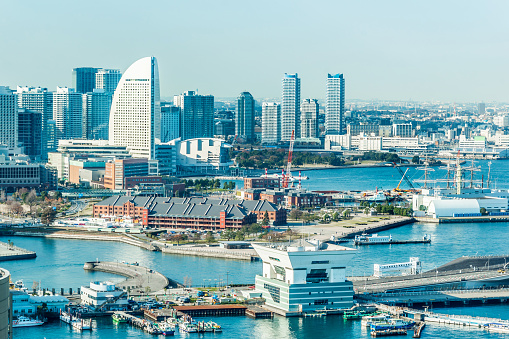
497, 327
355, 314
65, 317
166, 329
118, 319
377, 197
26, 322
374, 319
393, 324
215, 327
188, 327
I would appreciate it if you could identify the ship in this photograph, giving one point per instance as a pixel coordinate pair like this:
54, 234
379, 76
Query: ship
26, 322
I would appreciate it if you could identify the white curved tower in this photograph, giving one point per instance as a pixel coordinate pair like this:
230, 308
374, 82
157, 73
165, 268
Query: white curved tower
135, 114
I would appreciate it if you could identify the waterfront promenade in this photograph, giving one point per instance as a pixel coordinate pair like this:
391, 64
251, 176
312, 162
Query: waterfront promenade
10, 252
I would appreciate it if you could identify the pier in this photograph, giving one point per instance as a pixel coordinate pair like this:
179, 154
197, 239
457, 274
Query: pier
212, 310
10, 252
395, 242
139, 278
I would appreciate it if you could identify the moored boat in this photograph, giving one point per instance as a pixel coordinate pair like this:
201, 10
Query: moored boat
26, 322
65, 317
392, 324
117, 318
498, 327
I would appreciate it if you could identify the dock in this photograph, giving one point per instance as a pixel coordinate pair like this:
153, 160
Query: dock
384, 333
10, 252
212, 310
395, 242
257, 312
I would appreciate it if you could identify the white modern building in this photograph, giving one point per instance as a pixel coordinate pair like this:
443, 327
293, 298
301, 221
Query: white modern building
501, 120
309, 118
203, 155
335, 104
135, 116
96, 114
402, 130
290, 107
304, 277
107, 79
8, 118
271, 123
104, 295
68, 113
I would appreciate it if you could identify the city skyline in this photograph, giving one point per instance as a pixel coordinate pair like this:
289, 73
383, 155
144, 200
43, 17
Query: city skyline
406, 51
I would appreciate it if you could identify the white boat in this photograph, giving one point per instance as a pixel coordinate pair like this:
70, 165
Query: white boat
377, 197
188, 327
373, 239
65, 317
26, 322
373, 319
278, 176
498, 327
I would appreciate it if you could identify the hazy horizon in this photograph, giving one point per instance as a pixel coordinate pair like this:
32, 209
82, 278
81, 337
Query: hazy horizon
451, 51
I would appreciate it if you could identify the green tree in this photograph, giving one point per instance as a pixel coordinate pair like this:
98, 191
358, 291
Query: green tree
210, 238
416, 160
265, 221
228, 234
48, 215
295, 214
335, 216
483, 211
255, 228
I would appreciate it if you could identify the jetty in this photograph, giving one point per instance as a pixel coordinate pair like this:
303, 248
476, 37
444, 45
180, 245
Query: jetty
10, 252
139, 278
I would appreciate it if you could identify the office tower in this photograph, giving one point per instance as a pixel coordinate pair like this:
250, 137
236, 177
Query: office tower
83, 79
96, 114
196, 115
481, 108
8, 118
170, 122
51, 136
135, 116
271, 123
30, 132
309, 118
39, 100
245, 117
68, 113
335, 104
107, 79
402, 130
290, 107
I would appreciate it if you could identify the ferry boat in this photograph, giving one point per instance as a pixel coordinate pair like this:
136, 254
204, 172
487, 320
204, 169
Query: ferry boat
373, 239
393, 324
26, 322
367, 321
498, 327
379, 196
118, 319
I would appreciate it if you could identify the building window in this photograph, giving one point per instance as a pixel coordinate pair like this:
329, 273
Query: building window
321, 302
316, 276
274, 292
320, 262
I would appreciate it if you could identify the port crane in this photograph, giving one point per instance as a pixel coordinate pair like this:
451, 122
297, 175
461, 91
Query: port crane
288, 174
407, 180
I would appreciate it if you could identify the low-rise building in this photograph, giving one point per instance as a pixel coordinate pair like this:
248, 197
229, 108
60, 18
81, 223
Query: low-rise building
262, 182
104, 296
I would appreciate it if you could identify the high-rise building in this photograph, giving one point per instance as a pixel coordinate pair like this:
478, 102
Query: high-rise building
402, 130
271, 123
83, 79
245, 117
290, 107
68, 113
309, 118
107, 79
8, 118
39, 100
96, 114
170, 122
30, 132
481, 108
135, 116
196, 115
335, 104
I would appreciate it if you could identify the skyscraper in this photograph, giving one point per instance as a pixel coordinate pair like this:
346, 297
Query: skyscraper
96, 114
83, 79
290, 107
335, 104
39, 100
30, 132
196, 115
68, 113
135, 116
271, 123
107, 79
245, 117
170, 122
8, 118
309, 118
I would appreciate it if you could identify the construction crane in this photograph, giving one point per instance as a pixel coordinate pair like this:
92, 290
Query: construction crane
403, 177
288, 173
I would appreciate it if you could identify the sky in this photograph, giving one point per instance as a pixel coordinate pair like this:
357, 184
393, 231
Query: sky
454, 51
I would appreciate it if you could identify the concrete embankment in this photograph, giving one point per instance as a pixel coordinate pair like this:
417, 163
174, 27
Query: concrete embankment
379, 226
249, 255
10, 252
139, 277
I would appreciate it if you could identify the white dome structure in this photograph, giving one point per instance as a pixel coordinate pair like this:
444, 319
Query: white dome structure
135, 114
449, 207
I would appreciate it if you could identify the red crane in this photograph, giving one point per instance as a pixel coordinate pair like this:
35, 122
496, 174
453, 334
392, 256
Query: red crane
288, 173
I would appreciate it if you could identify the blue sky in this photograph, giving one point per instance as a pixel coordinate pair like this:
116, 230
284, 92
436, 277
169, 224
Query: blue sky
428, 50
